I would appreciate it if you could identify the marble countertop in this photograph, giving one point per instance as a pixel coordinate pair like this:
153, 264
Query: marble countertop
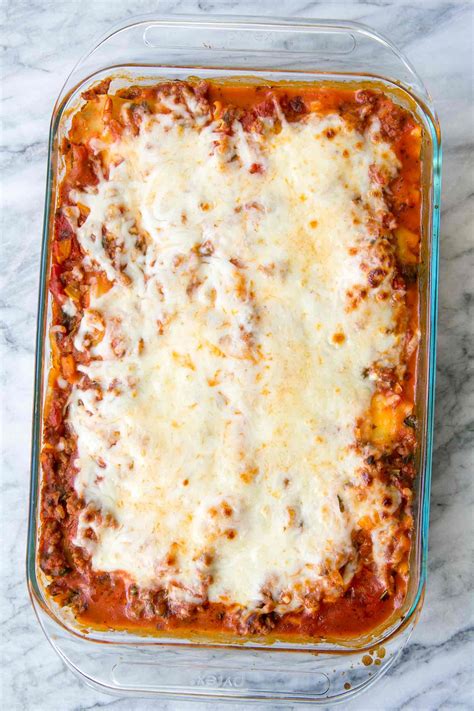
41, 41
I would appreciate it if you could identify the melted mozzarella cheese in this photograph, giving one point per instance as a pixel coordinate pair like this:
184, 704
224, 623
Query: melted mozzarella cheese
219, 435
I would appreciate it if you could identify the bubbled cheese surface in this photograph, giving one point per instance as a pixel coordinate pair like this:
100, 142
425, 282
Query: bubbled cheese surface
219, 436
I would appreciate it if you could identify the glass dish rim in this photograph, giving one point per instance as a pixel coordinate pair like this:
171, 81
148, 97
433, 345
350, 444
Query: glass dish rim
423, 102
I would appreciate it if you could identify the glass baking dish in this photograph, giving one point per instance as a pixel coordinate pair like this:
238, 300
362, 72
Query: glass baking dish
274, 49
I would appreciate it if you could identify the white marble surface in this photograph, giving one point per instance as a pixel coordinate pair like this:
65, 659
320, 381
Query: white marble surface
41, 41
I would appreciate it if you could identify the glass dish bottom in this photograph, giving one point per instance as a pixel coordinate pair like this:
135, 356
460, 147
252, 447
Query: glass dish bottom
182, 670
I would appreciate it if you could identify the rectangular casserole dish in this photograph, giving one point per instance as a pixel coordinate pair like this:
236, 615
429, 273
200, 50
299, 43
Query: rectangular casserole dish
275, 50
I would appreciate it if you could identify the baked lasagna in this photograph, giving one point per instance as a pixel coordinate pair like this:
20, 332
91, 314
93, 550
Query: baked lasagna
229, 428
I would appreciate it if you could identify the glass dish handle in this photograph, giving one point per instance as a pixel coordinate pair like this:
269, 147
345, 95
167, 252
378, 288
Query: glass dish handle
252, 42
207, 673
